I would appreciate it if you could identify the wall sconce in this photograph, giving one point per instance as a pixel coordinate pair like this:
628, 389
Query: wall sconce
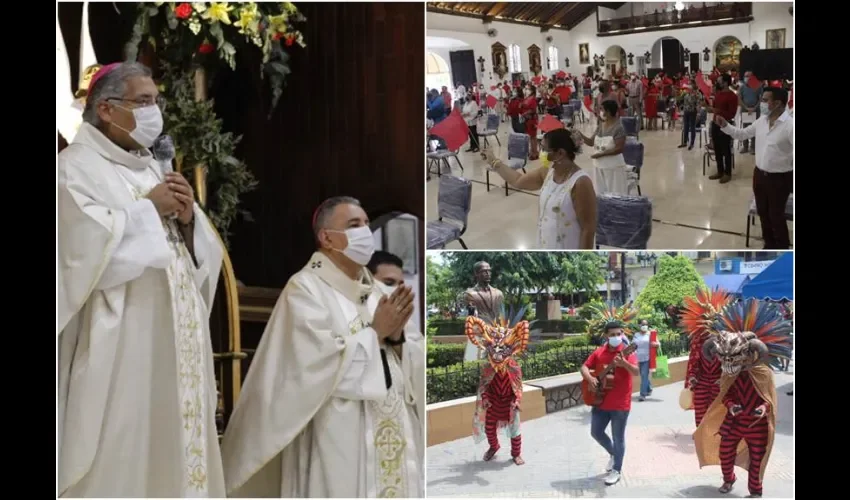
566, 62
647, 56
631, 59
706, 54
602, 60
481, 61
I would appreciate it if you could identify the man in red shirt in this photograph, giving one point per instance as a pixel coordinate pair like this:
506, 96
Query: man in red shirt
617, 402
725, 105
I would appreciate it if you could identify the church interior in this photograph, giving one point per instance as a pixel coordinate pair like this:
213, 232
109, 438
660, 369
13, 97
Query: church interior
489, 45
339, 125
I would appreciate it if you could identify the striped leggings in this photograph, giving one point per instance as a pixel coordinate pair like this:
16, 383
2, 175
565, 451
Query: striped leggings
495, 414
704, 394
732, 432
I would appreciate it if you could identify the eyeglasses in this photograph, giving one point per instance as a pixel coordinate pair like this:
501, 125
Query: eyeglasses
142, 102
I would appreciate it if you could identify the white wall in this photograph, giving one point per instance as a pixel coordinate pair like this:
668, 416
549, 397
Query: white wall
767, 15
474, 33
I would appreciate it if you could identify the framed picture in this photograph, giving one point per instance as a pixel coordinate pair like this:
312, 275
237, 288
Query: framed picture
775, 39
400, 238
584, 53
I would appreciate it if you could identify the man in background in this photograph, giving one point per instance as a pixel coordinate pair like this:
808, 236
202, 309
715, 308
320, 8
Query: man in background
334, 402
725, 107
773, 179
387, 269
749, 100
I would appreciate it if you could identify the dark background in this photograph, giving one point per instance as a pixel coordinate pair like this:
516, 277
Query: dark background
350, 122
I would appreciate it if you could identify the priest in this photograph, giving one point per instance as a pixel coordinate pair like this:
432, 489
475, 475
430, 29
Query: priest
334, 402
138, 264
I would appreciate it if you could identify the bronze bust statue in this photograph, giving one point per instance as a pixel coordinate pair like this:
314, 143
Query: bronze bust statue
483, 301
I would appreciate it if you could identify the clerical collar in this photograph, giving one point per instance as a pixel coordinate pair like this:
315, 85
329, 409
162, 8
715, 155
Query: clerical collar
90, 136
357, 291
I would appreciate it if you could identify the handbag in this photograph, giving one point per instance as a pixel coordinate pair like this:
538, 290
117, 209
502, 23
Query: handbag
661, 368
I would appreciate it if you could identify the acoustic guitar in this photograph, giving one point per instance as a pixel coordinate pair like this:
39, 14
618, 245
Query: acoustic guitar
604, 380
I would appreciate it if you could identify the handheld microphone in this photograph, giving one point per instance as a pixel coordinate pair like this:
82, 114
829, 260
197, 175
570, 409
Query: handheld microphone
164, 152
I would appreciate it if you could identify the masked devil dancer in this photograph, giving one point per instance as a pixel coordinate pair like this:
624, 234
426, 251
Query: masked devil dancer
740, 424
500, 387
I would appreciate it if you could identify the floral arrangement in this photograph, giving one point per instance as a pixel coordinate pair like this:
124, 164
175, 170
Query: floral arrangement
203, 34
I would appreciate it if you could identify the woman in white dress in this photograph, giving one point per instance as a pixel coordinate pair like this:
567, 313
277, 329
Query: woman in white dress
567, 208
608, 142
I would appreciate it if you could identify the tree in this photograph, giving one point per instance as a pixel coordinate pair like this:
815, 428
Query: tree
440, 292
676, 279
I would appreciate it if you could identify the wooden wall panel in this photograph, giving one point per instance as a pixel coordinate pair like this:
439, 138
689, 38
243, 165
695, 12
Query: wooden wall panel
350, 122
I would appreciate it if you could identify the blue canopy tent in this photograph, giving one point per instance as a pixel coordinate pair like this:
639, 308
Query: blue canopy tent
776, 282
730, 283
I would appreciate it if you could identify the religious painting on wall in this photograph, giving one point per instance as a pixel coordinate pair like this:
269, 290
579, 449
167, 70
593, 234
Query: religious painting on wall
500, 59
727, 53
584, 53
534, 59
775, 38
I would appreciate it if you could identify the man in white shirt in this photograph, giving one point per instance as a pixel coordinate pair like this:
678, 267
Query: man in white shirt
137, 272
773, 179
334, 401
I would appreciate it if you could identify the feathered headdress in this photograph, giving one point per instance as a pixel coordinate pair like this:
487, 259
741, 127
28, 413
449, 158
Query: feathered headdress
604, 314
749, 332
502, 339
699, 314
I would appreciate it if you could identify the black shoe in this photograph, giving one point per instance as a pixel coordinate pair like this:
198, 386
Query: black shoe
681, 145
715, 177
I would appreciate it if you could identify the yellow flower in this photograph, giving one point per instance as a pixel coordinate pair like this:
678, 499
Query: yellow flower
248, 19
288, 7
218, 11
278, 23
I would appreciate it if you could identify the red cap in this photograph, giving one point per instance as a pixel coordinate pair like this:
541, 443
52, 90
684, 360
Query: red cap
102, 72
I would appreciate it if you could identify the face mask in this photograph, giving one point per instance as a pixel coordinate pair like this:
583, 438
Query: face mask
644, 328
615, 341
361, 244
764, 108
148, 125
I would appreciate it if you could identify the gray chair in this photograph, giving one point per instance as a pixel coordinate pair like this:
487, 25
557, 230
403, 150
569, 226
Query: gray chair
630, 124
633, 155
492, 129
518, 150
453, 206
437, 155
567, 114
752, 214
577, 109
623, 221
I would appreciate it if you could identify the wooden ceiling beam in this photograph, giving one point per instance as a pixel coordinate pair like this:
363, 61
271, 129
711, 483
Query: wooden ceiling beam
589, 9
556, 19
495, 9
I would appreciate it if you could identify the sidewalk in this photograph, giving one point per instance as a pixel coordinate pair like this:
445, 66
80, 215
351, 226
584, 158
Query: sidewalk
562, 460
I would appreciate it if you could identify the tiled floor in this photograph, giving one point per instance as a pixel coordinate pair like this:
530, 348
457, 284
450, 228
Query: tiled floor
690, 211
562, 460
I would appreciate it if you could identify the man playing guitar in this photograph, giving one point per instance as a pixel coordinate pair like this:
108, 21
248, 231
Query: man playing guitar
616, 401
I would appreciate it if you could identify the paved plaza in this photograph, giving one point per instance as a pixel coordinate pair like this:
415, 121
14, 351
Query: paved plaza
562, 460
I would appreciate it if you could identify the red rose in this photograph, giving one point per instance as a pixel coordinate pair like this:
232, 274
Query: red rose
290, 40
183, 11
206, 48
278, 36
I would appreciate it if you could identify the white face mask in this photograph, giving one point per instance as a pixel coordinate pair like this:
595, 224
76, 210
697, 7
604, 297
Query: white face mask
644, 328
361, 244
615, 341
148, 125
764, 108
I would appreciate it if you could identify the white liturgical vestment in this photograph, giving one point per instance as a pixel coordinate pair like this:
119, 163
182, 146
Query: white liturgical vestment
321, 414
137, 393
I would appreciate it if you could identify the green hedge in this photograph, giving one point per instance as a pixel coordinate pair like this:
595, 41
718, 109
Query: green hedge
456, 326
544, 359
450, 354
